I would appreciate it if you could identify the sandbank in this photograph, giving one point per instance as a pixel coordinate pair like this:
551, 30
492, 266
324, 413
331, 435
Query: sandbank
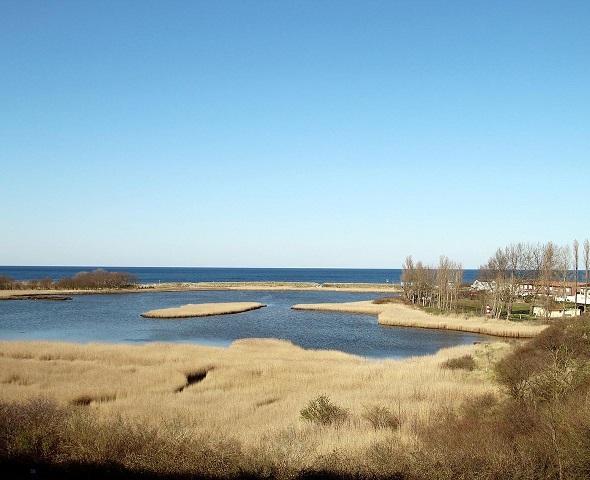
390, 288
277, 286
202, 310
399, 315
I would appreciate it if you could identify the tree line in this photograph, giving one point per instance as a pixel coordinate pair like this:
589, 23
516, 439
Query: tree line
432, 286
534, 271
513, 272
95, 280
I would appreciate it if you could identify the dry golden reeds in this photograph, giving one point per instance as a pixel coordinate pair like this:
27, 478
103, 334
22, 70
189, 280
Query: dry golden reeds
393, 314
203, 310
253, 390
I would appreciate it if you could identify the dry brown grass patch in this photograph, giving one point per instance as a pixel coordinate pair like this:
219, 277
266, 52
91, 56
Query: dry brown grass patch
399, 315
203, 310
253, 390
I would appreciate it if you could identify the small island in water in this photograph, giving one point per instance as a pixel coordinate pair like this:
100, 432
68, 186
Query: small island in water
203, 310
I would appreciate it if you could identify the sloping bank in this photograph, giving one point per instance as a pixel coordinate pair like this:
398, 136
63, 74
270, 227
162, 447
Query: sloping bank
399, 315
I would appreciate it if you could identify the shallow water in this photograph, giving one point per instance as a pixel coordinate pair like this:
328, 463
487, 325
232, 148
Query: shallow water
116, 319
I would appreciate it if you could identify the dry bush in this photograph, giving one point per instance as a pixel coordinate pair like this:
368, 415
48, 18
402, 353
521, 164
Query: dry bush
553, 364
466, 362
40, 431
385, 300
540, 431
477, 406
381, 417
34, 429
6, 283
97, 279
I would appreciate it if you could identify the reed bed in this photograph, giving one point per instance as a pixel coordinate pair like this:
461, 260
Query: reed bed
251, 393
203, 310
403, 316
266, 409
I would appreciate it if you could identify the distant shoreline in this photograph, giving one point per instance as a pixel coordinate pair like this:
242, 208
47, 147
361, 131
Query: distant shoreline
391, 288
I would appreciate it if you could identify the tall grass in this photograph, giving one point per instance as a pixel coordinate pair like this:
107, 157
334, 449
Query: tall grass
399, 315
248, 402
487, 411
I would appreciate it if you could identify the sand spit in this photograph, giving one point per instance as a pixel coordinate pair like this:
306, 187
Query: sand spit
390, 288
203, 310
403, 316
280, 286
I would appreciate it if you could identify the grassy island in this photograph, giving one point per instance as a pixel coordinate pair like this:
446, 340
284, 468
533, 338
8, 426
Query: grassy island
203, 310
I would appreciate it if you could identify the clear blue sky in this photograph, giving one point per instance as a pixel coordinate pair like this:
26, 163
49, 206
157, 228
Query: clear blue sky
307, 133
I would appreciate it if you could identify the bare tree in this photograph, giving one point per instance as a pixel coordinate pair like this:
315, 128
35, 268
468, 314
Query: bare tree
432, 287
442, 283
457, 280
408, 279
426, 276
564, 263
547, 276
507, 269
576, 246
586, 271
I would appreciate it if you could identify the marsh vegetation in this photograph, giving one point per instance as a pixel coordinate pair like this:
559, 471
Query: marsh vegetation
269, 409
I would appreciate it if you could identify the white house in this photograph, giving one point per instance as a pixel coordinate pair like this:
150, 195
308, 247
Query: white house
557, 312
482, 286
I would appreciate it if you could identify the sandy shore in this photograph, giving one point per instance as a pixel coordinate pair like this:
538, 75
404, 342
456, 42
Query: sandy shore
203, 310
394, 314
280, 286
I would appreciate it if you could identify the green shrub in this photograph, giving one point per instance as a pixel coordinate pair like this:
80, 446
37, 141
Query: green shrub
322, 411
466, 362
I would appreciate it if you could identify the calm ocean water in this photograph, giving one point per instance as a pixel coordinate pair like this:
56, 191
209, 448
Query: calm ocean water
202, 274
116, 318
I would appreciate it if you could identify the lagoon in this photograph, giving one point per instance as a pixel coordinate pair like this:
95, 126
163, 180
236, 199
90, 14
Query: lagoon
115, 318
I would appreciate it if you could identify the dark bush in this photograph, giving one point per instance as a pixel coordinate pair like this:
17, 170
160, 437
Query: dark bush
42, 432
466, 362
6, 283
98, 279
385, 300
552, 364
381, 417
541, 431
35, 429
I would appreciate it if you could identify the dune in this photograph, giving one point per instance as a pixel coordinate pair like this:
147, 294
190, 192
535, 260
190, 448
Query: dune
202, 310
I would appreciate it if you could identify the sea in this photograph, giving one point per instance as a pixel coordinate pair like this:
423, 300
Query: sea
115, 318
208, 274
